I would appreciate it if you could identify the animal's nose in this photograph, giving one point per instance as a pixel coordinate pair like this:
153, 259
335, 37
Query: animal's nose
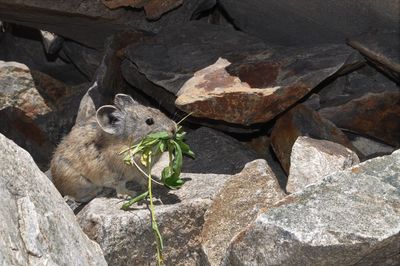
172, 130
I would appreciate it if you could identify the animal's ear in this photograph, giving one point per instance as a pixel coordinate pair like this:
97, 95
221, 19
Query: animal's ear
123, 100
110, 119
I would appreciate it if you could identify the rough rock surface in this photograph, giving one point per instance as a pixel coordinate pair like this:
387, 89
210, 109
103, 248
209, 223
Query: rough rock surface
369, 148
66, 17
250, 83
302, 121
311, 160
305, 22
351, 218
375, 114
37, 227
370, 101
236, 205
216, 153
382, 49
126, 236
36, 110
24, 45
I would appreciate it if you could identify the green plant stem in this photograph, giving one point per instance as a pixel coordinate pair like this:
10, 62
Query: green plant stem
154, 225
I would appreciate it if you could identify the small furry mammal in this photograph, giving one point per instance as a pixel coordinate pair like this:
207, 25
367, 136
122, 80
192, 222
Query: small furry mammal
87, 159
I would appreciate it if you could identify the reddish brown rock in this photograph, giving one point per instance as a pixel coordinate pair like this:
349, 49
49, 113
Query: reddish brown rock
237, 78
302, 121
374, 114
35, 109
382, 49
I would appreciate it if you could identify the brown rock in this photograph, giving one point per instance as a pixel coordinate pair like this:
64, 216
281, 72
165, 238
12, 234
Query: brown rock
382, 50
302, 121
36, 110
66, 17
374, 114
251, 83
154, 8
236, 205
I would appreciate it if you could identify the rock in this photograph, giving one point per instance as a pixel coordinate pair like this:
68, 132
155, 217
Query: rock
66, 17
302, 121
37, 227
369, 148
228, 88
87, 60
126, 237
370, 101
154, 8
236, 205
216, 153
52, 43
301, 22
312, 159
36, 110
25, 45
351, 218
381, 49
374, 114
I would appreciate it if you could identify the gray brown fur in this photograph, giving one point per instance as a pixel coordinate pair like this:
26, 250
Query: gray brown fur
88, 159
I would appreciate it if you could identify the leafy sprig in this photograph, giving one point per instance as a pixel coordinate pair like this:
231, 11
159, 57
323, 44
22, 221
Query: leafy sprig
150, 147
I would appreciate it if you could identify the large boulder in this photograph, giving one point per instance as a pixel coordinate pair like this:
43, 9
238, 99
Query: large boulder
351, 217
126, 237
36, 226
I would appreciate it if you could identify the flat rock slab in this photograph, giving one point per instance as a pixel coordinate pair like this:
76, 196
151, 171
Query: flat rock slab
126, 236
381, 49
304, 22
302, 121
216, 153
374, 114
250, 83
236, 205
312, 159
36, 226
351, 218
66, 17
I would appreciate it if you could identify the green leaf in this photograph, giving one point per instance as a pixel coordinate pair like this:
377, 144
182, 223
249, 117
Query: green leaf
142, 196
185, 148
159, 135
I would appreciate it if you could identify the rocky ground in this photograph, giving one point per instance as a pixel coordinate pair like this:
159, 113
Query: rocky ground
295, 124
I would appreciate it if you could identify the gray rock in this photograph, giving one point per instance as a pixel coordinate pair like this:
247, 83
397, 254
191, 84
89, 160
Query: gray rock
236, 205
126, 236
216, 153
312, 159
305, 22
67, 17
381, 48
37, 227
369, 148
351, 218
29, 50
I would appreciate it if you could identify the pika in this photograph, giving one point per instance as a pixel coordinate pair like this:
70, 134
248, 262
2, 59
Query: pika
88, 159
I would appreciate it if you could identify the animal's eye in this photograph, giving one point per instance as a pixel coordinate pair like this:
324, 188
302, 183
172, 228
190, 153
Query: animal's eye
149, 121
